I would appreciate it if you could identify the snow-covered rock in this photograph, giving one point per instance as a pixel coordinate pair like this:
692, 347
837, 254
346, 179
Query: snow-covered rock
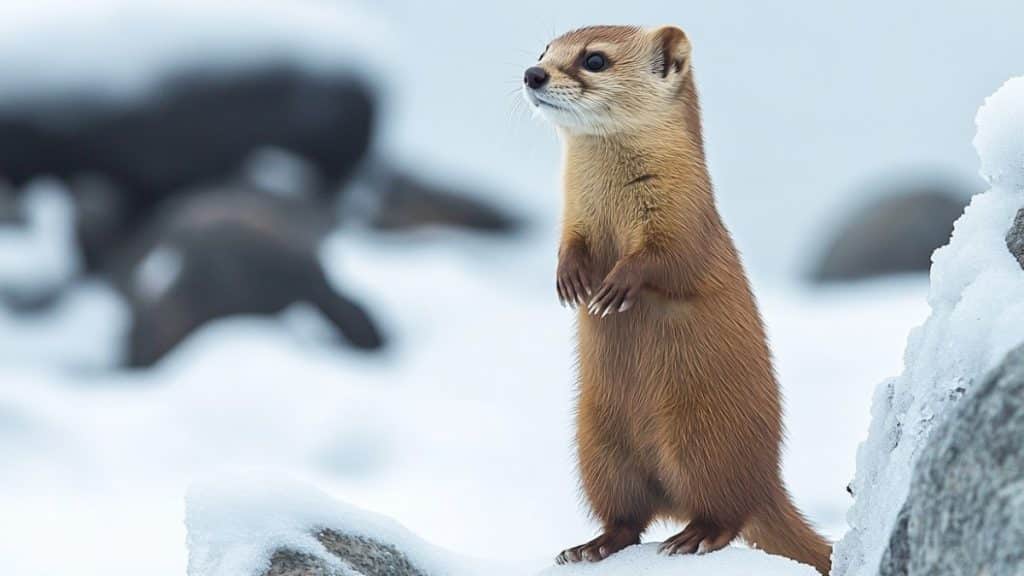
253, 525
965, 512
977, 302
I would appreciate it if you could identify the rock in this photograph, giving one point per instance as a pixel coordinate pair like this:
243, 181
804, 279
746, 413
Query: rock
225, 252
10, 211
965, 511
402, 201
1015, 238
195, 128
892, 235
365, 556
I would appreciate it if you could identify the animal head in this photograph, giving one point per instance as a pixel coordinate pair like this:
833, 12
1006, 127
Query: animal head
610, 79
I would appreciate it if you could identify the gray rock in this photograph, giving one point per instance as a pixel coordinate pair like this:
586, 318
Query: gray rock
10, 211
364, 556
965, 511
228, 252
195, 127
404, 201
893, 235
1015, 238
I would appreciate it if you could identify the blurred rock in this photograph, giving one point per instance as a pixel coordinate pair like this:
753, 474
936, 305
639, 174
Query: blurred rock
10, 212
965, 511
194, 129
893, 235
364, 556
224, 252
402, 201
1015, 238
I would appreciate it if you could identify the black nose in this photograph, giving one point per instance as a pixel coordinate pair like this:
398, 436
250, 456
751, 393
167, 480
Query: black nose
535, 77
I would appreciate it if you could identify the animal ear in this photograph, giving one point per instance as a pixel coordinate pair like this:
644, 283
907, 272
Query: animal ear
672, 51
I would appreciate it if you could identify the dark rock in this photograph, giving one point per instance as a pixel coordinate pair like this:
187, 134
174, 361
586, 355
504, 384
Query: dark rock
364, 556
195, 128
403, 201
896, 558
965, 511
1015, 237
893, 235
230, 252
10, 210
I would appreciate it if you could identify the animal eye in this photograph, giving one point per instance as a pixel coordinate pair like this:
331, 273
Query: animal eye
595, 62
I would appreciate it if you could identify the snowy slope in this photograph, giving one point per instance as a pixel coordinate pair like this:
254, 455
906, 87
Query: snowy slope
977, 315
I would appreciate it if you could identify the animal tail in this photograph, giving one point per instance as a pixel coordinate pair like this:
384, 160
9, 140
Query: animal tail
779, 528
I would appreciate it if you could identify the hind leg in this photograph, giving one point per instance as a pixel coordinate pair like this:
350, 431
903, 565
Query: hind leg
621, 494
699, 536
625, 511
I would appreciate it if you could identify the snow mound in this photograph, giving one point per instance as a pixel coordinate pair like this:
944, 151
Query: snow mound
645, 560
977, 311
1000, 138
237, 522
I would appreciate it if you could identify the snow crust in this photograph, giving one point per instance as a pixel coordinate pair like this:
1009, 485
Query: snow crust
977, 316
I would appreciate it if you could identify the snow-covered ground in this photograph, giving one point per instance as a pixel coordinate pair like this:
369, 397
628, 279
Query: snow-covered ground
461, 430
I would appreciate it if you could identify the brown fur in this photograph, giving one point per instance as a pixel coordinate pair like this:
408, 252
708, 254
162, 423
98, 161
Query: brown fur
679, 412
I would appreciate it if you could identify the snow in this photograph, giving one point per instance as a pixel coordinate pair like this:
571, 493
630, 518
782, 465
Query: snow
977, 310
645, 560
164, 36
158, 272
999, 141
39, 256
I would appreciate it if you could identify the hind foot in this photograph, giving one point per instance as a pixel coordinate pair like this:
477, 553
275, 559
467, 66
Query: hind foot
699, 537
601, 547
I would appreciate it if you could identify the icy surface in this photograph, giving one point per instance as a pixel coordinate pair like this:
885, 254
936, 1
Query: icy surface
977, 315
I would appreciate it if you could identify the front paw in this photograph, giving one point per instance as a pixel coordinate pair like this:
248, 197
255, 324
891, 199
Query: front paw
618, 292
573, 278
